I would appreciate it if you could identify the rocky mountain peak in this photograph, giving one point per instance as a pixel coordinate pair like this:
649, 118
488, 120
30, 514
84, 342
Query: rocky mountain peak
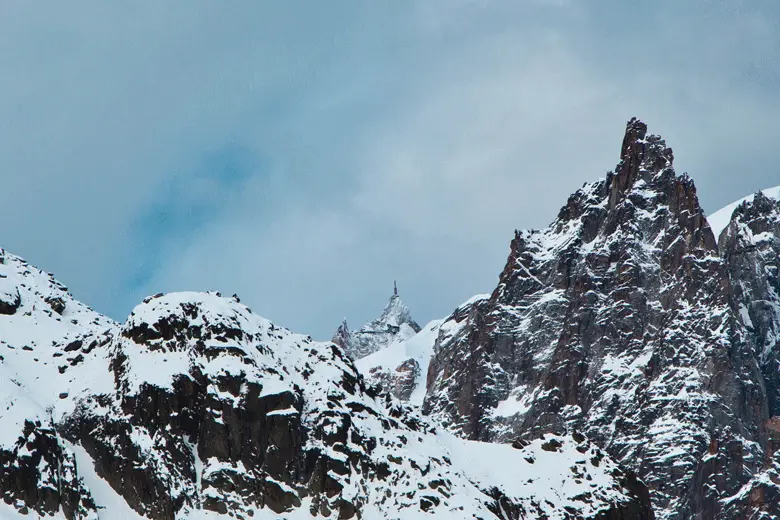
644, 184
640, 210
721, 219
394, 323
341, 337
642, 156
616, 321
195, 407
395, 314
761, 214
754, 221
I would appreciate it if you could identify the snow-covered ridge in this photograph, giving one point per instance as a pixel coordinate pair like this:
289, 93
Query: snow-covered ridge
164, 336
197, 408
720, 219
50, 347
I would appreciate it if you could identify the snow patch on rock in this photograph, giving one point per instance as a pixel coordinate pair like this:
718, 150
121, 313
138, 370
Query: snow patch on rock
720, 219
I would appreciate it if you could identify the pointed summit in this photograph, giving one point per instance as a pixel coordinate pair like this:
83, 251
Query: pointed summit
618, 321
342, 335
642, 156
394, 323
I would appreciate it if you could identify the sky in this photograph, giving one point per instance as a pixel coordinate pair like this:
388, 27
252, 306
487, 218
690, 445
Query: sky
306, 154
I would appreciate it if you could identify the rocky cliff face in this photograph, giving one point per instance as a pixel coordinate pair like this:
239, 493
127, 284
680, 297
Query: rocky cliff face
750, 246
624, 321
624, 368
197, 408
393, 325
400, 368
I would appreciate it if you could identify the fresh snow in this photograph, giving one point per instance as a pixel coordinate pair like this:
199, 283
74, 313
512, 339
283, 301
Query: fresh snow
68, 355
721, 218
474, 299
394, 324
535, 475
38, 377
418, 347
110, 503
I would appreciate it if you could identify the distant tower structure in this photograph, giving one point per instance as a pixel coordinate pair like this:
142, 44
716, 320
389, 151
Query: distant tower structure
395, 289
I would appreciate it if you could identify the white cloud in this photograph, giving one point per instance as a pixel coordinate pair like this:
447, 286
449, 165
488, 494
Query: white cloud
391, 143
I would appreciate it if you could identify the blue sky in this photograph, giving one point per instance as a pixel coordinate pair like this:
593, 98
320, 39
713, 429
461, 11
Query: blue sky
306, 155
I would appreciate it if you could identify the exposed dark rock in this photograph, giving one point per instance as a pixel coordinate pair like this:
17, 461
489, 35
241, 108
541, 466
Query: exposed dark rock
750, 245
39, 475
619, 321
400, 382
404, 381
247, 436
10, 302
57, 304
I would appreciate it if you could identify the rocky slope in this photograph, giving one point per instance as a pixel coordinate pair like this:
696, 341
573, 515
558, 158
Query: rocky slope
627, 321
750, 247
401, 367
393, 325
196, 408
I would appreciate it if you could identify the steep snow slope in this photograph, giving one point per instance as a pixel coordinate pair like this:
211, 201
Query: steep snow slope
45, 362
197, 408
401, 368
52, 352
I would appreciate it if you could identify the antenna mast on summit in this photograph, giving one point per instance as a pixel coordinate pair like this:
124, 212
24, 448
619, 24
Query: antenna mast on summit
395, 289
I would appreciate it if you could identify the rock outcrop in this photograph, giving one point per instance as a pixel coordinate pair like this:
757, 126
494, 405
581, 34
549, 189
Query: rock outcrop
750, 246
196, 406
393, 325
39, 476
622, 320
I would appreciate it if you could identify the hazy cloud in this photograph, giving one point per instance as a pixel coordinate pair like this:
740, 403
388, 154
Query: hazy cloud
305, 158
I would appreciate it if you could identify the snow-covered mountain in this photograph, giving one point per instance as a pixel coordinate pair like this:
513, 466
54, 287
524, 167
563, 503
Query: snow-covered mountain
394, 324
197, 408
401, 368
626, 367
626, 319
720, 219
750, 246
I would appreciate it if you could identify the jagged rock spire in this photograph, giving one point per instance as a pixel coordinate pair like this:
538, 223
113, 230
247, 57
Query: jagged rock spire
342, 335
393, 323
616, 321
641, 157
